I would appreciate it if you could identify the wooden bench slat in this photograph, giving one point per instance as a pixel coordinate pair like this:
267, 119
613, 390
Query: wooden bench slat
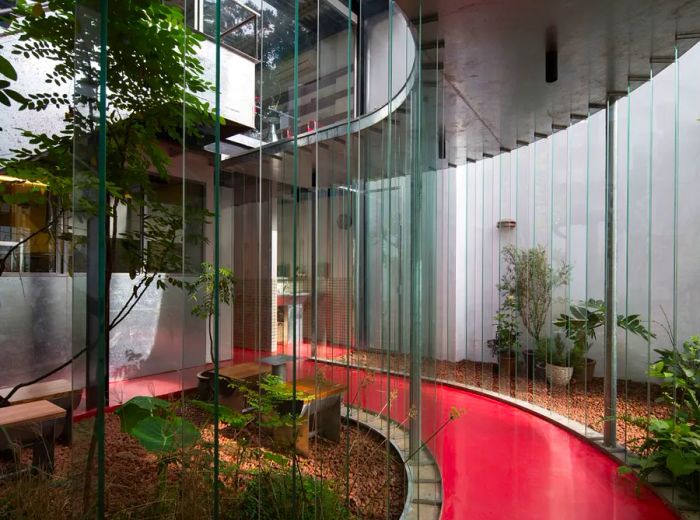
43, 390
245, 370
27, 413
316, 390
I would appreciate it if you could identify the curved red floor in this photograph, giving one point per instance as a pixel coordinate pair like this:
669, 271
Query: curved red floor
497, 461
500, 462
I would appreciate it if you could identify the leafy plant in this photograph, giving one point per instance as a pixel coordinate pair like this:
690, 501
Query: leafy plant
530, 280
158, 426
272, 400
7, 95
154, 423
679, 371
267, 407
672, 445
585, 318
507, 332
204, 303
277, 495
554, 351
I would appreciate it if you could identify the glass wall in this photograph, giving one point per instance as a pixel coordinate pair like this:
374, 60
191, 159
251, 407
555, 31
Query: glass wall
242, 272
217, 221
531, 240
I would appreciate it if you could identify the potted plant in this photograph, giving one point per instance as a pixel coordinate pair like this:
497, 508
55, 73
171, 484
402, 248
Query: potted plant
201, 292
580, 326
530, 279
559, 367
539, 358
670, 447
506, 346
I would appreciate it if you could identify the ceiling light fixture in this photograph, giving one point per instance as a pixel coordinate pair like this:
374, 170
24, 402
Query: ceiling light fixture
551, 55
17, 180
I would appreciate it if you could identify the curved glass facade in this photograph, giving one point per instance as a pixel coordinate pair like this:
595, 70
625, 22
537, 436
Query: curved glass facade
246, 266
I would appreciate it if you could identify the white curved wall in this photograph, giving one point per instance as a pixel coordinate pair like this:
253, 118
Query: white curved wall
554, 189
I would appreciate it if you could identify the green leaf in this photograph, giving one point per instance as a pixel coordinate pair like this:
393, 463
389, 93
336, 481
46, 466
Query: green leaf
624, 470
659, 425
159, 435
4, 99
19, 98
6, 69
226, 414
138, 408
276, 458
37, 9
679, 464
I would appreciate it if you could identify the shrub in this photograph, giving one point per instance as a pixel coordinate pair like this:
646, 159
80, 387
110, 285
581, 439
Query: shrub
530, 280
672, 446
275, 495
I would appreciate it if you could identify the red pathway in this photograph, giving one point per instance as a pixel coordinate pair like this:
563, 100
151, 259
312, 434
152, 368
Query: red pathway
500, 462
497, 461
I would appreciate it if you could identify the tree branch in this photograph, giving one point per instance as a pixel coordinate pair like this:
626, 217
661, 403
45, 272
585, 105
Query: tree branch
5, 400
124, 312
53, 221
121, 317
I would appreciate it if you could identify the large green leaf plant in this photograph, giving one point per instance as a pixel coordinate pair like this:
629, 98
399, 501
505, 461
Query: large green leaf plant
583, 320
672, 444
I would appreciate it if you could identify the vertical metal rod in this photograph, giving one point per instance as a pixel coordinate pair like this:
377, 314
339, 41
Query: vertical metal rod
416, 339
610, 384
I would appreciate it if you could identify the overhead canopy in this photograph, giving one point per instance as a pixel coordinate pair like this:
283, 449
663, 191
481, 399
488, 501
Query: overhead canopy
493, 60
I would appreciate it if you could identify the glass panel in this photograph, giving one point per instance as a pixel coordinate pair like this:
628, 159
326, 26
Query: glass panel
239, 239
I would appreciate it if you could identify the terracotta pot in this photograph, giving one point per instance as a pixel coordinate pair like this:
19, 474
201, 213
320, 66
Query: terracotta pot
585, 372
559, 376
507, 364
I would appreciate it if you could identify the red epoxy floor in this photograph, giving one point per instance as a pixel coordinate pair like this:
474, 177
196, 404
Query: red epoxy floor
497, 462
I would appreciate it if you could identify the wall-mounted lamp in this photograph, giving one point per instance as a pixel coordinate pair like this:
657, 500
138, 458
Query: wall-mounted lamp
506, 224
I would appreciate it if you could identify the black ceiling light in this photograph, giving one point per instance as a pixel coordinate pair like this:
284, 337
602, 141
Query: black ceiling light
551, 57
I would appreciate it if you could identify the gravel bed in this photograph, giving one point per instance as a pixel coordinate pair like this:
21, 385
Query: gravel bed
132, 479
578, 401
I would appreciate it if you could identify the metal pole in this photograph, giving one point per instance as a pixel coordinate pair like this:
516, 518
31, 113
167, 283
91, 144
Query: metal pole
610, 388
416, 306
416, 341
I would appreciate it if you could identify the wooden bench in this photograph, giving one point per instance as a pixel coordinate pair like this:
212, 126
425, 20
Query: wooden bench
240, 373
47, 390
320, 411
244, 371
59, 391
33, 422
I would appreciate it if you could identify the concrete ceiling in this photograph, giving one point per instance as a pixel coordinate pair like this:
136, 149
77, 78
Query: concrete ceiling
493, 61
